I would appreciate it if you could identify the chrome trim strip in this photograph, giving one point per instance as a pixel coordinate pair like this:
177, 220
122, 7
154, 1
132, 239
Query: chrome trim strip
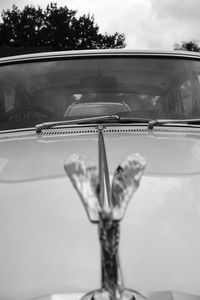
105, 189
100, 53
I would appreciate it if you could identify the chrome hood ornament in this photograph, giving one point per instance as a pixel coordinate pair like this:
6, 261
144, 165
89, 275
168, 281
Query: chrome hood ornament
106, 205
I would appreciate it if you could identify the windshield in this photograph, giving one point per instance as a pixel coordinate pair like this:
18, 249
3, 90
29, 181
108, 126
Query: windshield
138, 87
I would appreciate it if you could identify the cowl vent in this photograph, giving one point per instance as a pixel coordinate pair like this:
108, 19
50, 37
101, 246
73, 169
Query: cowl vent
139, 130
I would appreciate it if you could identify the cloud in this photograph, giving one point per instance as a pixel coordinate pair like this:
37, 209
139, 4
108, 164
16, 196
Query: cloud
181, 19
155, 24
181, 10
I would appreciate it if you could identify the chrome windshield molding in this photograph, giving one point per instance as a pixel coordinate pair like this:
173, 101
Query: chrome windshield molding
106, 206
44, 56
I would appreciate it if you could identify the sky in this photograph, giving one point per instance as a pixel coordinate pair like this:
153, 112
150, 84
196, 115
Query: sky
147, 24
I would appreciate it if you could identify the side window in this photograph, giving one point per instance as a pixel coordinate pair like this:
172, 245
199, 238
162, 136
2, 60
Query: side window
186, 97
7, 100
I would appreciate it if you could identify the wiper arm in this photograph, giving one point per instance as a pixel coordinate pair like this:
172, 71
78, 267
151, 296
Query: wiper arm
49, 125
160, 122
90, 120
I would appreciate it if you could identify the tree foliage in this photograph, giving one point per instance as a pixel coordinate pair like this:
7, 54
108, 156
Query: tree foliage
58, 28
191, 45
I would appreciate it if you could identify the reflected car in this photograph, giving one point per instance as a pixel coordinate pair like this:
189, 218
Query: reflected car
101, 106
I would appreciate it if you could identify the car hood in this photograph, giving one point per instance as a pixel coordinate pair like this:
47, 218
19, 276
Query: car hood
49, 246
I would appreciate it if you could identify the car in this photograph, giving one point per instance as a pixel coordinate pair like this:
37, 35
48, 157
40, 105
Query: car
96, 108
100, 175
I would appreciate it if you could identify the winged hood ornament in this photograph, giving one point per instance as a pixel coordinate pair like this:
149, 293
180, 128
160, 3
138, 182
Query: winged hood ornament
106, 205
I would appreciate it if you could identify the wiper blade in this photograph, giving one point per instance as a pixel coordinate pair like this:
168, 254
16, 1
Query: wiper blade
91, 120
160, 122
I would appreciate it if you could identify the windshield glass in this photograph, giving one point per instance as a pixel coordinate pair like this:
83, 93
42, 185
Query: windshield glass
142, 87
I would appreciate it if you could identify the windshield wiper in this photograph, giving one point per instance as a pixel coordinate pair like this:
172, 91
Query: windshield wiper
49, 125
181, 122
90, 120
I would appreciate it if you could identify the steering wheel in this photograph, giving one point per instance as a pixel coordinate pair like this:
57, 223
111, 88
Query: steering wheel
28, 108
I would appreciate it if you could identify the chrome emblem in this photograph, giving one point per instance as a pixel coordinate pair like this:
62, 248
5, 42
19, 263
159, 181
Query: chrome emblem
106, 205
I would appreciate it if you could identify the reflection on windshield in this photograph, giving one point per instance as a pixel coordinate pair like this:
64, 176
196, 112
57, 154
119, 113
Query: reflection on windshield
36, 92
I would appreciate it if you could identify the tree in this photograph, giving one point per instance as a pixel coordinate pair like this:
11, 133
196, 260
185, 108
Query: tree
191, 45
58, 28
